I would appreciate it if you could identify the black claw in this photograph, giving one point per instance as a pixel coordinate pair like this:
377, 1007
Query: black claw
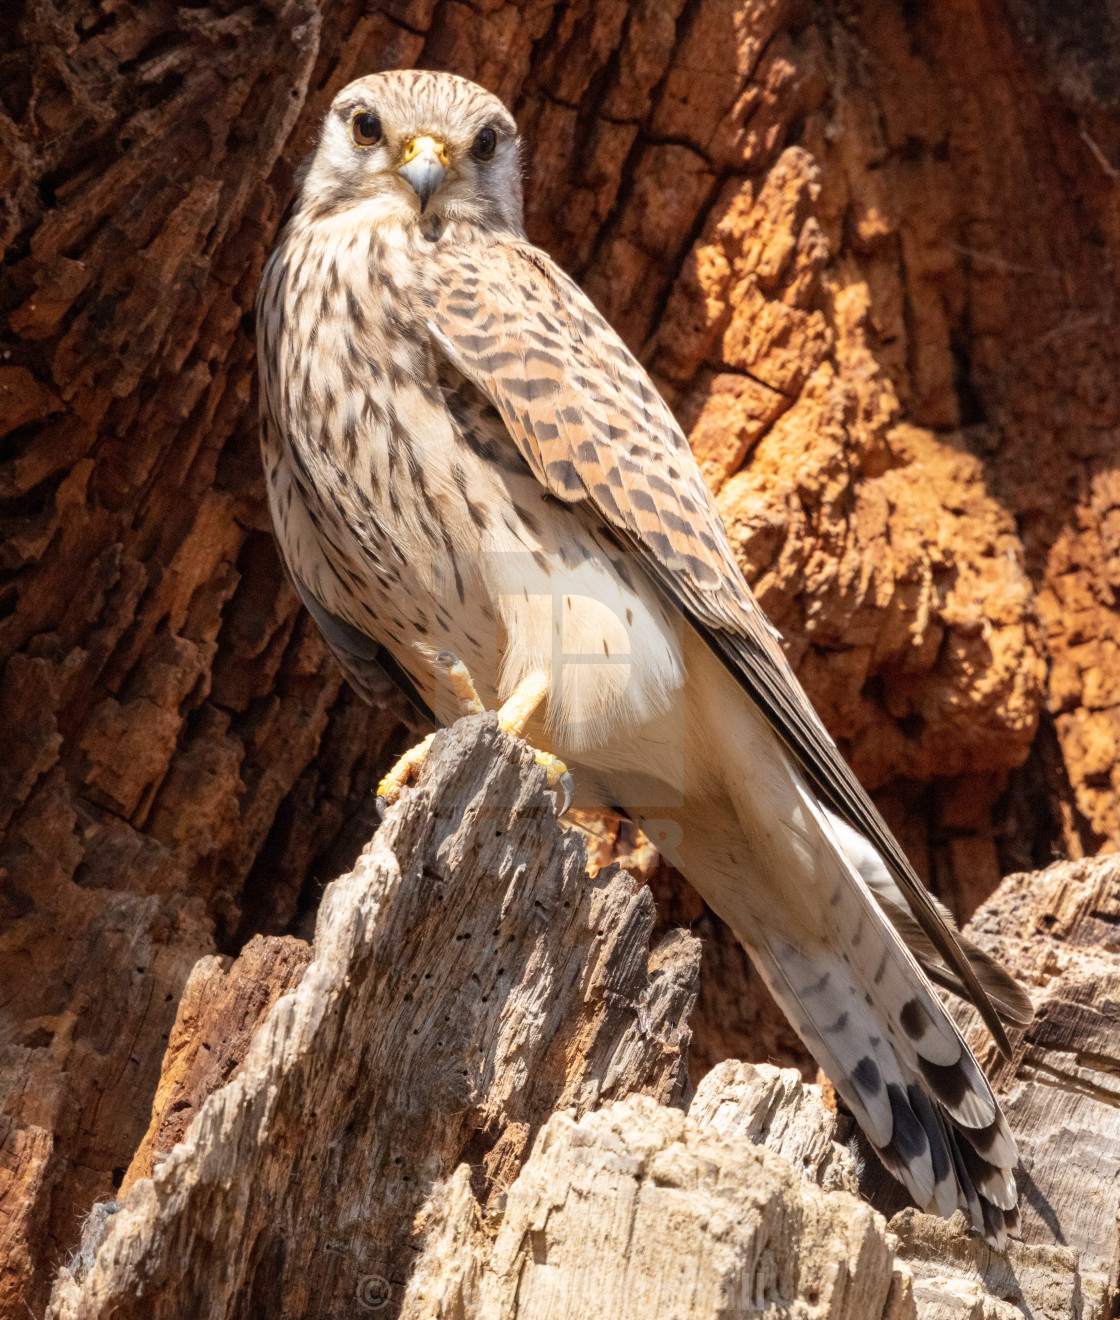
381, 806
447, 659
568, 787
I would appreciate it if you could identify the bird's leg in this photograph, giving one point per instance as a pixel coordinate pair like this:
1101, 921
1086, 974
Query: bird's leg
512, 719
408, 765
470, 703
513, 716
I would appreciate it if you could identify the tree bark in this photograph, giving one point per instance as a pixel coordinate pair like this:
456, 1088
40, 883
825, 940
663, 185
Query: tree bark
468, 980
470, 1102
868, 251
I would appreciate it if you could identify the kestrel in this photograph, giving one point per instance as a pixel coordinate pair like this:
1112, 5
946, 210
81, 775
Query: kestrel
472, 478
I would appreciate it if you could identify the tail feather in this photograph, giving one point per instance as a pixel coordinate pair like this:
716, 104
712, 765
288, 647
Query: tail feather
1010, 999
862, 1065
945, 1193
995, 1142
962, 1089
891, 1049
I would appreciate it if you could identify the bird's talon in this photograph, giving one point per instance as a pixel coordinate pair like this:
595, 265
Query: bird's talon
567, 788
558, 777
406, 768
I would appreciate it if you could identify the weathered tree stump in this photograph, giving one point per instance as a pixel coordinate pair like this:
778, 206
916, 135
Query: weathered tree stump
468, 980
468, 1099
868, 250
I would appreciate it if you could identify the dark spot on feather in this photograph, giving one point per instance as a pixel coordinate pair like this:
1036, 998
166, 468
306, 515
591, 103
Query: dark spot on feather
473, 343
984, 1138
529, 519
866, 1076
947, 1081
563, 473
914, 1019
939, 1151
371, 411
350, 441
602, 494
356, 314
660, 544
700, 569
980, 1170
908, 1136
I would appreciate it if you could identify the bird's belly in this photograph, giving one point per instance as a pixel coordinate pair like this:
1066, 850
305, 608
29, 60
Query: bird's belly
579, 610
531, 586
367, 565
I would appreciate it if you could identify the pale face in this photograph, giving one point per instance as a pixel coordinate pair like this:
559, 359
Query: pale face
422, 144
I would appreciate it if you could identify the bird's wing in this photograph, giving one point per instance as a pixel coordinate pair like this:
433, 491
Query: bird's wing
370, 667
591, 425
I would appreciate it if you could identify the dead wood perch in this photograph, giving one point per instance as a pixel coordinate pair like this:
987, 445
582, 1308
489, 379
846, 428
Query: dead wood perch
469, 1105
469, 979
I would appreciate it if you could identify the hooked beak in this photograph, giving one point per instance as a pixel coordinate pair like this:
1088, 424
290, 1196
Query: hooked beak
424, 167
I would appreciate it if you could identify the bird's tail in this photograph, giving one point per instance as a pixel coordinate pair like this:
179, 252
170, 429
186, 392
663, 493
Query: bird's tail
866, 1011
1010, 999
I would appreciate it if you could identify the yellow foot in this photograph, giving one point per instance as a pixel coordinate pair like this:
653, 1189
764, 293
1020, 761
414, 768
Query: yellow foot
406, 767
512, 719
457, 674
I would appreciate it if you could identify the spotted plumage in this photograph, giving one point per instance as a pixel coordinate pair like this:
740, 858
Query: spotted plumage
464, 459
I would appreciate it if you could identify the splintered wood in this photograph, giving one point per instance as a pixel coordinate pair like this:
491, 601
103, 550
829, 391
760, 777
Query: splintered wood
471, 1103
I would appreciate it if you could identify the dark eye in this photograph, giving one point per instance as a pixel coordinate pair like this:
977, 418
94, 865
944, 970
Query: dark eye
485, 144
365, 129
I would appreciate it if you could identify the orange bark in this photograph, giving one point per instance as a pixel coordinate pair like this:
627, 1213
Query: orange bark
868, 250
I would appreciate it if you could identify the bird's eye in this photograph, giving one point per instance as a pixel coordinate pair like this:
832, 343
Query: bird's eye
365, 129
485, 144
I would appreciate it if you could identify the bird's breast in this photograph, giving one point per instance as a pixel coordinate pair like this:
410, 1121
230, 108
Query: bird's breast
397, 492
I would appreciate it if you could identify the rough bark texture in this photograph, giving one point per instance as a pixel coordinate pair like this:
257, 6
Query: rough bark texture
469, 1103
1056, 931
868, 250
469, 979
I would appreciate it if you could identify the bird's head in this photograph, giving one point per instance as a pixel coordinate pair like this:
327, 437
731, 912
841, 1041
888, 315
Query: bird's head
420, 144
